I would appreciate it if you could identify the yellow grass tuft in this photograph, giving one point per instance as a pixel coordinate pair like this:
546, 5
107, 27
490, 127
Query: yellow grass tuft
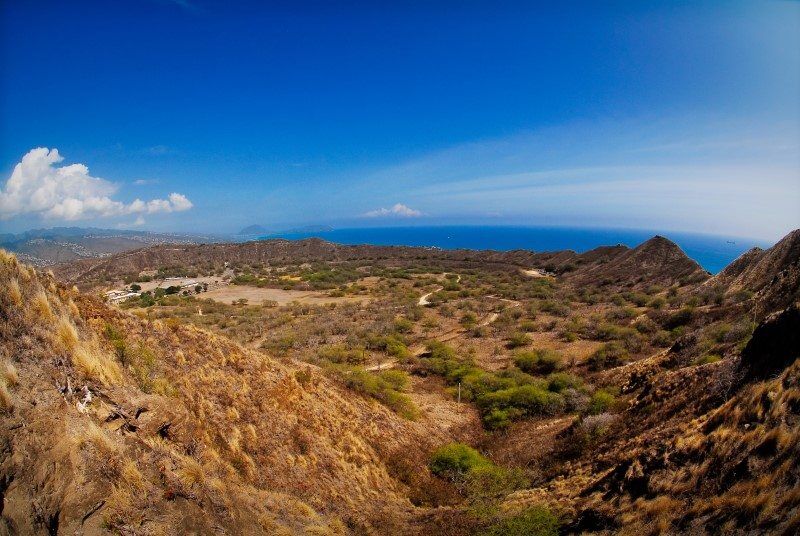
6, 402
9, 374
41, 306
132, 477
66, 334
192, 473
96, 365
7, 258
14, 293
73, 309
103, 450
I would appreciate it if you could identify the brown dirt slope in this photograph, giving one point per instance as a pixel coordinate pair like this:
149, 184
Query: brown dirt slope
185, 432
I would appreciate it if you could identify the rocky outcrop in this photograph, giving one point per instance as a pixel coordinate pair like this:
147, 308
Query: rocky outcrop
772, 275
775, 345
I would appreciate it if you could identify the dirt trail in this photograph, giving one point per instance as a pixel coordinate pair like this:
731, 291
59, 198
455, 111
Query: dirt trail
449, 335
423, 300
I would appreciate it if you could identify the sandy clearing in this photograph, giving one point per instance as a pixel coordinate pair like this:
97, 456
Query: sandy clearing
533, 272
256, 295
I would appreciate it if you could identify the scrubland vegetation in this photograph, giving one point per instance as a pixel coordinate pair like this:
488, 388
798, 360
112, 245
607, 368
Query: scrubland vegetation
504, 404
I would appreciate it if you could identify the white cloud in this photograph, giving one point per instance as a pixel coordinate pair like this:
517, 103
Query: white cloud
38, 186
144, 182
397, 210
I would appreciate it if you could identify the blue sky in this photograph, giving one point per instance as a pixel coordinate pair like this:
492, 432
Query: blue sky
664, 115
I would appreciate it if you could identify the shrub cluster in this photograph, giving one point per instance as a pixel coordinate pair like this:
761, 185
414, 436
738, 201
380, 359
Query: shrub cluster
535, 521
507, 395
538, 361
386, 386
611, 354
481, 480
455, 460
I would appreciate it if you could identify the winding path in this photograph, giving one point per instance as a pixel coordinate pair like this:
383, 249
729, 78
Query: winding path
424, 301
447, 335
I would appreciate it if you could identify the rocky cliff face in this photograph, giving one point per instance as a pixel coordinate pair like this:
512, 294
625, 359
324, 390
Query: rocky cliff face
774, 346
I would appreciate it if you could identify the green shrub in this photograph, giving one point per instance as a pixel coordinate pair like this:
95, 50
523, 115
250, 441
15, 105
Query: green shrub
492, 482
535, 521
117, 341
396, 348
522, 400
621, 313
569, 336
559, 381
601, 400
662, 339
610, 354
497, 419
554, 308
456, 460
504, 396
342, 354
645, 326
679, 318
403, 325
518, 339
637, 298
385, 386
706, 359
395, 379
538, 361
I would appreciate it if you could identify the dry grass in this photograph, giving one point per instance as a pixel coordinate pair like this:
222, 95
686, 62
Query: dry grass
102, 451
13, 293
191, 474
40, 306
66, 334
6, 402
9, 374
96, 364
7, 258
127, 501
243, 424
73, 309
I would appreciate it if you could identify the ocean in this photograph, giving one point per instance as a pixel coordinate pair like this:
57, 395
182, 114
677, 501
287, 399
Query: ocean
713, 253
